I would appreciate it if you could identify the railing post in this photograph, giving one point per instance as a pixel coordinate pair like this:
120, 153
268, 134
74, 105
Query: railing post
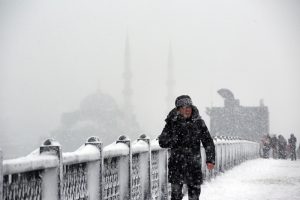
1, 175
50, 146
225, 153
98, 165
146, 139
126, 140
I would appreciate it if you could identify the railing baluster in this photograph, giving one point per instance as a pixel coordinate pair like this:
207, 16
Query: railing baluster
126, 140
146, 139
50, 146
95, 171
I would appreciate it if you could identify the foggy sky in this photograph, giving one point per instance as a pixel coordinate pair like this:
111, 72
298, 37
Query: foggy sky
54, 53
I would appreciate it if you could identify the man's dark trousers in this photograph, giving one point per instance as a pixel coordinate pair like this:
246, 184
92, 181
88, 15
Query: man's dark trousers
193, 191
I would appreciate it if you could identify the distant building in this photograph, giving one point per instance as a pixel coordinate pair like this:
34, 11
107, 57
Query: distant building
98, 115
170, 80
236, 120
127, 76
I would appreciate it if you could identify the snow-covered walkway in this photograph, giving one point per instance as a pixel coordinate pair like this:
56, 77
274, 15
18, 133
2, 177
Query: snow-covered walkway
260, 179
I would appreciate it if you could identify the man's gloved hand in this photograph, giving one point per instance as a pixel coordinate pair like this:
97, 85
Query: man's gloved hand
210, 166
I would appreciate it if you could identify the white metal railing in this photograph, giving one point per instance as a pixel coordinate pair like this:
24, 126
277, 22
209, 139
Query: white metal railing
123, 170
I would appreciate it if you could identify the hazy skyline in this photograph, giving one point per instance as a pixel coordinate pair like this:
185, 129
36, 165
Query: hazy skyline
55, 53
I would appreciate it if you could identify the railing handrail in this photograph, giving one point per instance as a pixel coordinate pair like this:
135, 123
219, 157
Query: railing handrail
139, 146
87, 153
29, 163
155, 145
115, 150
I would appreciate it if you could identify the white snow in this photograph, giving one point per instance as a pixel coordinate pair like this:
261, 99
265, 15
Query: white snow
139, 146
154, 145
29, 163
87, 153
260, 179
115, 149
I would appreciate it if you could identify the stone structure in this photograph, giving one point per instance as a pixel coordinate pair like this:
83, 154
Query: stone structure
127, 76
236, 120
170, 79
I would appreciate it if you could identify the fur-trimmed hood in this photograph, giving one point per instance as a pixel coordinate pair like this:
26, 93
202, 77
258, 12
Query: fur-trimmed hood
174, 115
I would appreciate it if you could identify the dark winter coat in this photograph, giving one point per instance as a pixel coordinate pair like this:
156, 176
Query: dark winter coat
274, 142
183, 137
292, 142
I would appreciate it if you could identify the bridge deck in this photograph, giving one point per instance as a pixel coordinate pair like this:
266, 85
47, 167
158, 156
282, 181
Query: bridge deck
260, 179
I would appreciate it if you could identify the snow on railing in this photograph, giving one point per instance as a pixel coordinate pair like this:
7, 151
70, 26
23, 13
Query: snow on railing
122, 170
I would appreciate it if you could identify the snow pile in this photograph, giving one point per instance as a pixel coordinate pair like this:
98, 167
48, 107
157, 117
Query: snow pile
115, 149
29, 163
154, 145
260, 179
139, 146
87, 153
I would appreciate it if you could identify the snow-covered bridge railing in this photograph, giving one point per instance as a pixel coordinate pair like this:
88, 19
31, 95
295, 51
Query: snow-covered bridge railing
230, 152
47, 173
135, 171
123, 170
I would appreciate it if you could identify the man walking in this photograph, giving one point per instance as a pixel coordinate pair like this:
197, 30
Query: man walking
292, 143
282, 147
183, 132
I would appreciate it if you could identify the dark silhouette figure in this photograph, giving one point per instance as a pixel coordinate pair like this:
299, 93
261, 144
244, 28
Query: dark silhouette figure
298, 152
282, 147
292, 144
266, 142
274, 146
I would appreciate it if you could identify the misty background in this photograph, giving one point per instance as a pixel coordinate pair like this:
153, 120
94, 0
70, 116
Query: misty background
55, 56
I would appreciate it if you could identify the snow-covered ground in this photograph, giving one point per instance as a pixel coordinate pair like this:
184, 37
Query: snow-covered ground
260, 179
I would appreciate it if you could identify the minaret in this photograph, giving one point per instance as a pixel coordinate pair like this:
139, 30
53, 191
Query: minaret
170, 79
127, 75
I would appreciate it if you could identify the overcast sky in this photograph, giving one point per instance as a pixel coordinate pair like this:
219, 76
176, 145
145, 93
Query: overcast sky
54, 53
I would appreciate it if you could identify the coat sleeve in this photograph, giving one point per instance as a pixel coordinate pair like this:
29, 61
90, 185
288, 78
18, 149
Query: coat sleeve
168, 138
208, 143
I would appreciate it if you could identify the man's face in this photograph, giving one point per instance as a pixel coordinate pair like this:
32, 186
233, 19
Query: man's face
186, 111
